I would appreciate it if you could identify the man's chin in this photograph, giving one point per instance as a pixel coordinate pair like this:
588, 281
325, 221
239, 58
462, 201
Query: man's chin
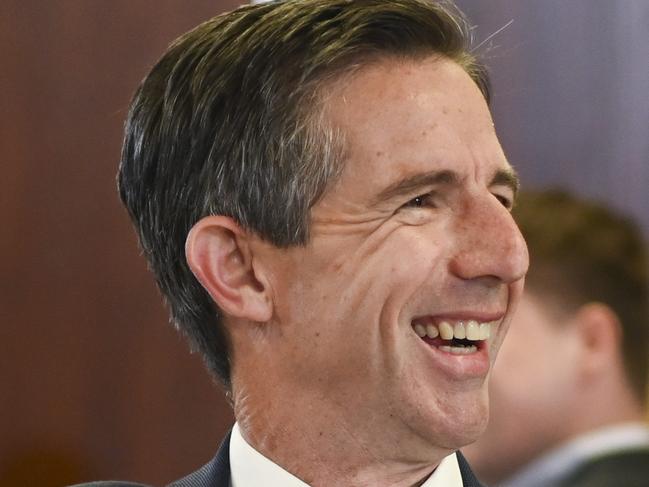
472, 431
462, 423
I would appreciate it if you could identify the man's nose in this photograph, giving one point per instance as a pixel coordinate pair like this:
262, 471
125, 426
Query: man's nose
489, 244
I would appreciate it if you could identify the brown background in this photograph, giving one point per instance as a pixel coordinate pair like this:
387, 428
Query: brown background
93, 381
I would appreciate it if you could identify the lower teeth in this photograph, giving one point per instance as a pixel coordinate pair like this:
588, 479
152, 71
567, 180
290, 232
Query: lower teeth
464, 350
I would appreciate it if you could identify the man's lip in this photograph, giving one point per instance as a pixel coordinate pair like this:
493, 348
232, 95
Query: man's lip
459, 316
459, 367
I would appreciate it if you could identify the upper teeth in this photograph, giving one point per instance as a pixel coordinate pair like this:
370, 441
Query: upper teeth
470, 330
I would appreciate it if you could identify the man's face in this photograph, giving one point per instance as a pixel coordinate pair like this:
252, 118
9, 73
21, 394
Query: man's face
416, 231
532, 390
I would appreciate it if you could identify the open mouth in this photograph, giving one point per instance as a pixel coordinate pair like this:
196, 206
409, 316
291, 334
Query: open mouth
460, 337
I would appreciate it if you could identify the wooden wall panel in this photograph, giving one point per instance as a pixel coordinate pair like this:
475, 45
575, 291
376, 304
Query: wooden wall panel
95, 382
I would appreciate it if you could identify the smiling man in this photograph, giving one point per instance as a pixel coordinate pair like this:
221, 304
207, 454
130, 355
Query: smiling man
321, 195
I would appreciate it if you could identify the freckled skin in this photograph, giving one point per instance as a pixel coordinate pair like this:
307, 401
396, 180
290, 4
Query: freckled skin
364, 379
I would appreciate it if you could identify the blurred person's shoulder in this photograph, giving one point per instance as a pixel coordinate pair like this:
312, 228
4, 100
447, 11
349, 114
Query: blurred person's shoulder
628, 468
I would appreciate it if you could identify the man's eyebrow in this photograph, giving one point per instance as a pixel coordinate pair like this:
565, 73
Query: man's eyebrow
411, 184
507, 177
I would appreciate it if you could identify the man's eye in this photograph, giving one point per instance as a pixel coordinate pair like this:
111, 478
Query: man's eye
506, 202
421, 201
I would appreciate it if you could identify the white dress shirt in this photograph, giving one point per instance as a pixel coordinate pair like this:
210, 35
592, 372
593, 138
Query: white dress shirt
249, 468
559, 463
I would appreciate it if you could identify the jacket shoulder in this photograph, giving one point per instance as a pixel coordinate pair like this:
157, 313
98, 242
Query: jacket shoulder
214, 474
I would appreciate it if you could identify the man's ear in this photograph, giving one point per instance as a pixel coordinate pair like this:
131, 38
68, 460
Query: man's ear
600, 336
218, 253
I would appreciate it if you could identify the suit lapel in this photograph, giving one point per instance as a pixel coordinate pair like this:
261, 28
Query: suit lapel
468, 478
214, 474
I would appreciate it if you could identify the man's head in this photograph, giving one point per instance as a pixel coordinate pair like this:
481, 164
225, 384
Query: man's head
230, 122
577, 354
329, 172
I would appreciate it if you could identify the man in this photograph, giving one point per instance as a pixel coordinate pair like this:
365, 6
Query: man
320, 192
569, 390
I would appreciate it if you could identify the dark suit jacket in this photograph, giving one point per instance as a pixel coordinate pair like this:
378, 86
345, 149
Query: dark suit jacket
622, 469
217, 473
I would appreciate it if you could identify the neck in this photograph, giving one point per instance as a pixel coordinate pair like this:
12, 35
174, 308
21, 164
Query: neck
332, 447
616, 403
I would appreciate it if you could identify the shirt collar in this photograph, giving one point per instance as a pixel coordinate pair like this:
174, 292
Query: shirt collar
249, 468
563, 460
447, 474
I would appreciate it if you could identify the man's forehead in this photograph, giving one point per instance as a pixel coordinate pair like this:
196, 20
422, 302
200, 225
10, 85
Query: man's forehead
390, 77
404, 124
406, 99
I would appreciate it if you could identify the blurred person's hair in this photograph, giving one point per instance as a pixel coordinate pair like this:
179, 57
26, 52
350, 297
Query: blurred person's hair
583, 252
230, 122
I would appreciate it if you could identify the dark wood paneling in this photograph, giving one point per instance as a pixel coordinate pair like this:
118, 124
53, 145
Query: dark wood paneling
95, 382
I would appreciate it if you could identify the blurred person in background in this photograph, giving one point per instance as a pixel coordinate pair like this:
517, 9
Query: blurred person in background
569, 389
